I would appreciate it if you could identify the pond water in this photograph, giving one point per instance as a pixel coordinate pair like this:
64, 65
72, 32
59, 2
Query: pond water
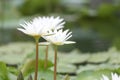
85, 41
12, 35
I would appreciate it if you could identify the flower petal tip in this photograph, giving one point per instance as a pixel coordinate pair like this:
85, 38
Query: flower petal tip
44, 43
69, 42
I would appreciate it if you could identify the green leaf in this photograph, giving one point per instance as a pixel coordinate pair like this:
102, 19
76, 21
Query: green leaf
20, 76
92, 67
66, 68
73, 58
106, 10
29, 66
3, 71
93, 75
30, 78
15, 53
47, 75
67, 77
98, 58
13, 70
44, 75
114, 58
12, 76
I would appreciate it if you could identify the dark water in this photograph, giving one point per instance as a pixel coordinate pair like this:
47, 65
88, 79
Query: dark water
12, 35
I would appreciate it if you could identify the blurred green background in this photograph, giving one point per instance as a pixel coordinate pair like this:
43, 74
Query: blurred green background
95, 23
96, 29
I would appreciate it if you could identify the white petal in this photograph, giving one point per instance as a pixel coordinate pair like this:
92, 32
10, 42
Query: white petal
69, 42
40, 25
48, 34
115, 76
68, 37
23, 25
22, 30
44, 43
104, 77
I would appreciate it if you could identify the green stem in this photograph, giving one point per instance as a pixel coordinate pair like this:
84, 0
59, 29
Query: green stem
55, 63
36, 61
46, 58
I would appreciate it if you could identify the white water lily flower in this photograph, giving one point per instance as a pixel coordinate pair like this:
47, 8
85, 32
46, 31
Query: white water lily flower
51, 22
114, 76
60, 37
41, 26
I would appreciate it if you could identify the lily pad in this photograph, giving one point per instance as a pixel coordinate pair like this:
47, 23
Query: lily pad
97, 67
98, 58
45, 75
42, 52
114, 58
12, 76
15, 53
74, 58
65, 68
93, 75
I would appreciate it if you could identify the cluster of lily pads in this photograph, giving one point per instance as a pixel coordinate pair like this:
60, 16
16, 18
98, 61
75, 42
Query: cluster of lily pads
51, 29
20, 56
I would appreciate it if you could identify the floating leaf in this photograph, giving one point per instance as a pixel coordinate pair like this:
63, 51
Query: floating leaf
44, 75
12, 76
96, 67
42, 53
74, 58
47, 75
15, 53
66, 68
114, 58
98, 58
93, 75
